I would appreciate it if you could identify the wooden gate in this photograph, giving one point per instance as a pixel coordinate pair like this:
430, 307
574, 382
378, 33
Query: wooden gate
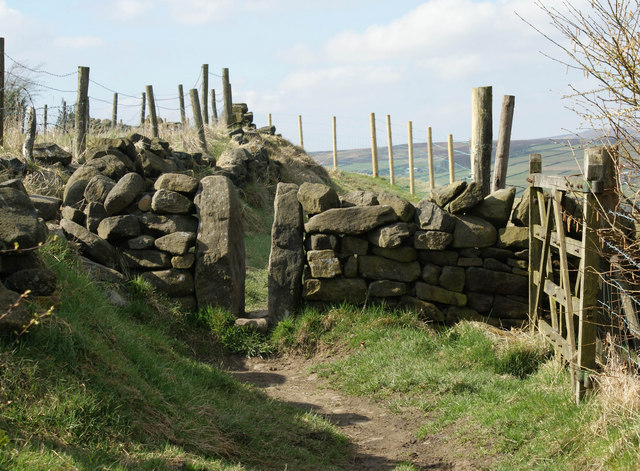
563, 270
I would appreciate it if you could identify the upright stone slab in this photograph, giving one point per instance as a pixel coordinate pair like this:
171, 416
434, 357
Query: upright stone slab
286, 260
220, 253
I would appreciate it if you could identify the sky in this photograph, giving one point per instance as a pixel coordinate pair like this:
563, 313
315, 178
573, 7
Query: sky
413, 60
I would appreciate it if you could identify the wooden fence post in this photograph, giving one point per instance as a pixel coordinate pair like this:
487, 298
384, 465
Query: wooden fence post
374, 145
432, 178
392, 178
481, 137
183, 115
300, 131
214, 108
82, 112
269, 120
452, 167
504, 140
64, 116
410, 145
152, 111
20, 116
114, 111
226, 95
1, 91
143, 102
335, 143
44, 120
205, 93
30, 137
197, 119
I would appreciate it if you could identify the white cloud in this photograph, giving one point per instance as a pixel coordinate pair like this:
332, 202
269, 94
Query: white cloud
129, 9
341, 77
441, 27
190, 12
78, 42
202, 11
12, 22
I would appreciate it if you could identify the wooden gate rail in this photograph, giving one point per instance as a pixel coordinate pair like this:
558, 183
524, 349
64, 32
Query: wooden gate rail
568, 305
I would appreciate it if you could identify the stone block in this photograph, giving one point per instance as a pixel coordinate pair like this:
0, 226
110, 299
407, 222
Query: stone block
379, 268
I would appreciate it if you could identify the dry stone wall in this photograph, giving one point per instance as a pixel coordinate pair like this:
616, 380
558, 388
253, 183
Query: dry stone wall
452, 256
134, 206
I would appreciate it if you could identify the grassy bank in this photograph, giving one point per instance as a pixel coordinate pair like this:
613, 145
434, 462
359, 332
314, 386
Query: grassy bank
101, 387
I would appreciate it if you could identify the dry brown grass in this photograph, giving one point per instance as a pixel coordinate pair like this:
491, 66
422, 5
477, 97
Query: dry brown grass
619, 391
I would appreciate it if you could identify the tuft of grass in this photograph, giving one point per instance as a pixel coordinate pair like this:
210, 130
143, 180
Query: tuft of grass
344, 182
235, 339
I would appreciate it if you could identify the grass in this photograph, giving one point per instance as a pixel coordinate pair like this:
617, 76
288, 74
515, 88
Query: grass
120, 388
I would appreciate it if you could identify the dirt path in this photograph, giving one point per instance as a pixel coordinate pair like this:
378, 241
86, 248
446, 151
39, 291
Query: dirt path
381, 439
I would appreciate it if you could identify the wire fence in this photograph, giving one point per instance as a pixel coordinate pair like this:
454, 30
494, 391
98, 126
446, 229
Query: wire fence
30, 82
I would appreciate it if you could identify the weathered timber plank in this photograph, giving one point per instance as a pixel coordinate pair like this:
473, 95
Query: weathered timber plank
559, 342
573, 246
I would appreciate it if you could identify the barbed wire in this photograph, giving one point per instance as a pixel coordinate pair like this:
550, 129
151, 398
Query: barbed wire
38, 71
111, 90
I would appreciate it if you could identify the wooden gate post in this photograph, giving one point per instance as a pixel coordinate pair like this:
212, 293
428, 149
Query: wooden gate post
535, 245
481, 137
600, 171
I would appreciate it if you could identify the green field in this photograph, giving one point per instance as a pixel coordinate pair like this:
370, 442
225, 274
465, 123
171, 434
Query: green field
559, 156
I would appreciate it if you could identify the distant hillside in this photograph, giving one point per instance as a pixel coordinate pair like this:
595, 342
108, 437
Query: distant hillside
560, 155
